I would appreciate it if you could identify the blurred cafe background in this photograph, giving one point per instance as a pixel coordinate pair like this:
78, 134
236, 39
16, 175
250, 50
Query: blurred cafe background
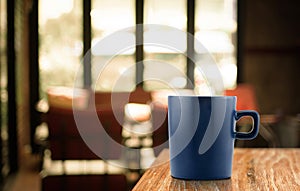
45, 45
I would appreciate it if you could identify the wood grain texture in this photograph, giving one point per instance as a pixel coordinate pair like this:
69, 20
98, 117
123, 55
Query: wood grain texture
253, 169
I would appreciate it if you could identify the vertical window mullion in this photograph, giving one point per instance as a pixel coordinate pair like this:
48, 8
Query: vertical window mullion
87, 68
139, 35
190, 43
11, 88
240, 42
34, 72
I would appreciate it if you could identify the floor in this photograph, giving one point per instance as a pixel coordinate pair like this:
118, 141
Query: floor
28, 178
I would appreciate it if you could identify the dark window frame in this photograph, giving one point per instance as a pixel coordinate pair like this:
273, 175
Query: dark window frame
11, 88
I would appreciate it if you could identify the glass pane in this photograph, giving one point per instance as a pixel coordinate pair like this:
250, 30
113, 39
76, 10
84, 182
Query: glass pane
113, 70
215, 28
3, 91
3, 61
165, 67
60, 49
167, 12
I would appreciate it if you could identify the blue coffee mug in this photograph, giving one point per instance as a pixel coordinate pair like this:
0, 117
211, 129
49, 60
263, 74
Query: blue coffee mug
202, 133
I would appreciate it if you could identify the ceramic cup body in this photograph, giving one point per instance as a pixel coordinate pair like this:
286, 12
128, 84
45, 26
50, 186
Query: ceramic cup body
202, 134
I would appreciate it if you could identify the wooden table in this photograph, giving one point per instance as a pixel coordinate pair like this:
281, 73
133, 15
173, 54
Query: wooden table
253, 169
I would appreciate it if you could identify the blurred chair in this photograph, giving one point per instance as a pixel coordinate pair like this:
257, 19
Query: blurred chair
246, 100
70, 164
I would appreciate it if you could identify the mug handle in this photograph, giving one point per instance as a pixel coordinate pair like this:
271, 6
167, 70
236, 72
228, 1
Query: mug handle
254, 131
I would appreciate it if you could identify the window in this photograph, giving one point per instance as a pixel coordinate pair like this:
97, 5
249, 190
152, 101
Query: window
60, 49
215, 28
3, 65
4, 166
108, 17
61, 43
165, 66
